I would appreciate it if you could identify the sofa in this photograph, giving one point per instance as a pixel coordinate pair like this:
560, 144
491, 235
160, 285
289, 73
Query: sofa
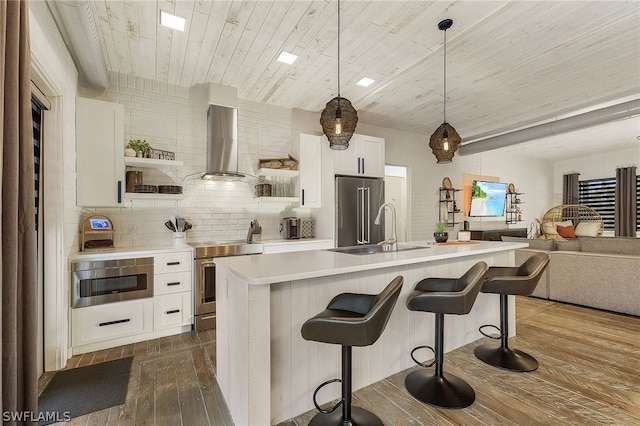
599, 272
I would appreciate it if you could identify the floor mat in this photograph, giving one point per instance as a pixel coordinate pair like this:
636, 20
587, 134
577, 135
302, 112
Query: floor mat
72, 393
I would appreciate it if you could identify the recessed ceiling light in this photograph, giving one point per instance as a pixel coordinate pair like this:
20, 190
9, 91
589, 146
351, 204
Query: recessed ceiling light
365, 82
287, 58
171, 21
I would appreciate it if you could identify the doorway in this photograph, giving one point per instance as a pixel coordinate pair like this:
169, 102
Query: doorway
395, 192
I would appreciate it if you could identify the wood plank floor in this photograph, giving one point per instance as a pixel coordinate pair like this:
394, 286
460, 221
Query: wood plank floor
589, 374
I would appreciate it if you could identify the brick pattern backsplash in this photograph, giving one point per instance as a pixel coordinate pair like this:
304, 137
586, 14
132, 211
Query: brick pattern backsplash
166, 117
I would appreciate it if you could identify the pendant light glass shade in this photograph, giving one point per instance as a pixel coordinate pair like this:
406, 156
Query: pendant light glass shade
339, 118
338, 121
445, 140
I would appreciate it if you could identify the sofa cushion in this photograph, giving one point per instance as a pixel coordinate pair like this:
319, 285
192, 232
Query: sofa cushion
611, 245
588, 229
566, 231
569, 245
534, 243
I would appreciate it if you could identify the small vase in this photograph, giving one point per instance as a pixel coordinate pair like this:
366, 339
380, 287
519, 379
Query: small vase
441, 237
129, 152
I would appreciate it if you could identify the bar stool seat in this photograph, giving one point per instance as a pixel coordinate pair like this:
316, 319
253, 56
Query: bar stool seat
351, 319
518, 280
443, 296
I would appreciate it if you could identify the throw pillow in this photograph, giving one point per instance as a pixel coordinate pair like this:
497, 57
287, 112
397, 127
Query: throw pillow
587, 229
566, 231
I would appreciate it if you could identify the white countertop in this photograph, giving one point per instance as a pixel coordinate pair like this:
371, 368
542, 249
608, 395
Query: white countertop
124, 252
279, 267
293, 242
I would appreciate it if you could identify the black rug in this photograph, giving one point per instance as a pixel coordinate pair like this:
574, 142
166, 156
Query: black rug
78, 391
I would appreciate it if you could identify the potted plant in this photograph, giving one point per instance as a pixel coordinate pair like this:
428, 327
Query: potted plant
141, 147
441, 235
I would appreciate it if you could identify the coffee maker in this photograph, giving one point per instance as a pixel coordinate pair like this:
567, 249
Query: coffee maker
290, 228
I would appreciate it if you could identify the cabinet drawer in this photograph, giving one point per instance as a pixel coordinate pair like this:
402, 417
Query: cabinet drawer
172, 262
111, 321
174, 282
172, 310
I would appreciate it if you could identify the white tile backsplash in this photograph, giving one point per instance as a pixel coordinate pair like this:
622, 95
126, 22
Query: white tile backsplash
168, 119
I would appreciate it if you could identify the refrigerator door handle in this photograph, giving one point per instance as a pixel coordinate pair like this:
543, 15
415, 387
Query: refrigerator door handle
359, 216
368, 193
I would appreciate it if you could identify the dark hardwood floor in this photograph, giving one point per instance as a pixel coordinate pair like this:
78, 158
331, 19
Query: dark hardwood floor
589, 374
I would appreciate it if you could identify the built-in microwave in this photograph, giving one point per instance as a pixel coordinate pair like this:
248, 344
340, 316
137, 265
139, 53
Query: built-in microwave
103, 281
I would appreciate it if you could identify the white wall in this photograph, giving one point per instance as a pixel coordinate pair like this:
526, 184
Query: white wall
594, 166
56, 74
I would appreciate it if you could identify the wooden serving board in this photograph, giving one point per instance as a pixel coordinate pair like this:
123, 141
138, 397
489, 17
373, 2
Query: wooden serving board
456, 243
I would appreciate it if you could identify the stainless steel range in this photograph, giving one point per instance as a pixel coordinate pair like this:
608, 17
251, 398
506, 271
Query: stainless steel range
205, 279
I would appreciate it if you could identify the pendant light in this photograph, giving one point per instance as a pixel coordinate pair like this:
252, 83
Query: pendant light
339, 118
445, 140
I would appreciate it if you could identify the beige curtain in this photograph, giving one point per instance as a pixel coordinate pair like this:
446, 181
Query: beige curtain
17, 245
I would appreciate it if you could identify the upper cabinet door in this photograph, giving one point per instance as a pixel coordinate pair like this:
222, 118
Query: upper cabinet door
372, 152
310, 171
99, 153
364, 157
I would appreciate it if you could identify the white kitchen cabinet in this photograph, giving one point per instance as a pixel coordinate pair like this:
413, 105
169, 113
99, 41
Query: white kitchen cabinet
172, 310
168, 312
310, 165
364, 157
96, 324
173, 290
180, 261
99, 148
172, 282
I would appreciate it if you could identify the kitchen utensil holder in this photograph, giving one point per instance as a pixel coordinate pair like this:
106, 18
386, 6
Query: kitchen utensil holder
179, 239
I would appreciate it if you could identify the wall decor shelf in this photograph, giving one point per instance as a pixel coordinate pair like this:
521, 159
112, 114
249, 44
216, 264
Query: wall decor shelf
449, 209
264, 172
513, 212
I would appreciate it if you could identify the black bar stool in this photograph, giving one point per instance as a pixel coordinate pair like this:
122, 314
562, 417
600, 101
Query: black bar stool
516, 280
350, 319
443, 296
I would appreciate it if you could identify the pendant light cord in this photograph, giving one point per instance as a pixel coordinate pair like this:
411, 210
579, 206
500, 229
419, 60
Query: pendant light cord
445, 76
338, 50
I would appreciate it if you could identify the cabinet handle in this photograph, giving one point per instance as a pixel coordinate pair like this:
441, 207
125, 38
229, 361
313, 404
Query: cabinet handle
173, 311
119, 191
359, 165
102, 324
303, 197
208, 317
362, 165
174, 283
172, 263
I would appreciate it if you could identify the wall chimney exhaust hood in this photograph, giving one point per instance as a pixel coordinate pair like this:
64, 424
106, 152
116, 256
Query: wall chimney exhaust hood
222, 144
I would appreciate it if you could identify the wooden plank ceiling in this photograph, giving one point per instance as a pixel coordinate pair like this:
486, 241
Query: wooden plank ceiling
508, 63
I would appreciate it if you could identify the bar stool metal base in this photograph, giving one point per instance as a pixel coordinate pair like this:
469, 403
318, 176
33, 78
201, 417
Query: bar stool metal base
359, 416
506, 358
447, 391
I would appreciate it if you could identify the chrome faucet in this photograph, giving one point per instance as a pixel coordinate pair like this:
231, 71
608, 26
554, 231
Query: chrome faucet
391, 243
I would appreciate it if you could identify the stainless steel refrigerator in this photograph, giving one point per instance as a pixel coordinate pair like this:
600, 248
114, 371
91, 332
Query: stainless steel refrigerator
357, 203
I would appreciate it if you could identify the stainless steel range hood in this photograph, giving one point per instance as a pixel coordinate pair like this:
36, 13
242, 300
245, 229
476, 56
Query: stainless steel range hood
222, 144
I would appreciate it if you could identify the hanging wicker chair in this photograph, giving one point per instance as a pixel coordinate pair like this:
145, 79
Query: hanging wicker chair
575, 213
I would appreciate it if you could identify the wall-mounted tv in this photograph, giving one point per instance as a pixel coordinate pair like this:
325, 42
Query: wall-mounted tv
488, 198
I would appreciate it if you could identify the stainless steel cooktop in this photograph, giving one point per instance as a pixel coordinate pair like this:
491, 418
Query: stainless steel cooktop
206, 249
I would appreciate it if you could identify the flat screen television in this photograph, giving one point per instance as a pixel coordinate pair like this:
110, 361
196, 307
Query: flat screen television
488, 198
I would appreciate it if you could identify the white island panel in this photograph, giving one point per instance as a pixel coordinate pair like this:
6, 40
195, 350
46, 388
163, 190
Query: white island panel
268, 372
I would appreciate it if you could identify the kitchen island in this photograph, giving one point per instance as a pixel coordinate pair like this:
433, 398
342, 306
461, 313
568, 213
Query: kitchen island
267, 372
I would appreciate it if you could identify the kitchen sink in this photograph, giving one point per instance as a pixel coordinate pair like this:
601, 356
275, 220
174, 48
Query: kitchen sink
372, 249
